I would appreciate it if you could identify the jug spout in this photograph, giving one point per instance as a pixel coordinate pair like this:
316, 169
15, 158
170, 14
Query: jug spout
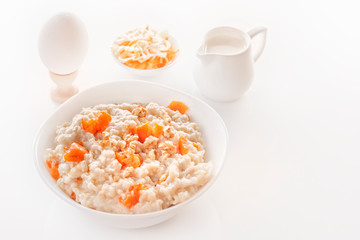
201, 51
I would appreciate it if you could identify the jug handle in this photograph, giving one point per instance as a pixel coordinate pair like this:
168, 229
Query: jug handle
252, 33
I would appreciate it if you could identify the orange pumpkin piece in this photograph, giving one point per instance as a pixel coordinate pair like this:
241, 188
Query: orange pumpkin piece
142, 131
53, 166
157, 130
49, 163
178, 106
197, 146
103, 121
132, 197
133, 160
97, 124
54, 173
73, 196
183, 149
89, 126
75, 153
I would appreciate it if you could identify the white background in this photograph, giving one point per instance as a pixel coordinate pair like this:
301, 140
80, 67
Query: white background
294, 156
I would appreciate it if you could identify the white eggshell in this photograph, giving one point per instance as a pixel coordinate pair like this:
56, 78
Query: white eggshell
63, 43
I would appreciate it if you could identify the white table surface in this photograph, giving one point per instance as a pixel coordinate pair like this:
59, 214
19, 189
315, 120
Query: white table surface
293, 168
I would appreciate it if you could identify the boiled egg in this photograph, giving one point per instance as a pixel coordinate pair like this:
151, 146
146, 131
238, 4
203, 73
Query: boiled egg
63, 43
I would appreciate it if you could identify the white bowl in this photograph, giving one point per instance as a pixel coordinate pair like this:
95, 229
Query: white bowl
211, 126
151, 72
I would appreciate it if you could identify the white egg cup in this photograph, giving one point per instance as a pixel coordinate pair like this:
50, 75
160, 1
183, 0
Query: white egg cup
64, 87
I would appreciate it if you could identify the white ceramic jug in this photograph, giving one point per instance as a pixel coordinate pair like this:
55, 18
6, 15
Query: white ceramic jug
225, 68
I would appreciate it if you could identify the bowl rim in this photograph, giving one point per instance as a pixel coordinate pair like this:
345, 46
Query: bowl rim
173, 43
137, 215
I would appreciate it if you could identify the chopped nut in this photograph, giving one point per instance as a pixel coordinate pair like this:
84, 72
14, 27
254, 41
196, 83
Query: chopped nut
116, 178
162, 178
121, 145
106, 140
157, 154
151, 142
128, 151
128, 172
168, 132
167, 147
151, 155
133, 145
139, 111
130, 138
164, 155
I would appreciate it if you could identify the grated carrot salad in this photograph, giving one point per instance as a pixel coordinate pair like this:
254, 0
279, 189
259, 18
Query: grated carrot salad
144, 48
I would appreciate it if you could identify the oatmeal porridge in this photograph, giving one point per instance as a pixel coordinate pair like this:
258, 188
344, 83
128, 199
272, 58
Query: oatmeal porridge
129, 158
